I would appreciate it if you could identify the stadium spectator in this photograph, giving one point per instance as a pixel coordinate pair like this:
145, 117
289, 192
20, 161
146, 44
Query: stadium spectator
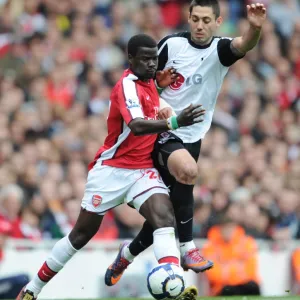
295, 262
235, 257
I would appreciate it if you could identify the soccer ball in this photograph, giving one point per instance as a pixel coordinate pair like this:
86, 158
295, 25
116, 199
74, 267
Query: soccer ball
166, 281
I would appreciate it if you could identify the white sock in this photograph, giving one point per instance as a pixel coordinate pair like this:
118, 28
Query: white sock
185, 247
127, 254
61, 253
164, 243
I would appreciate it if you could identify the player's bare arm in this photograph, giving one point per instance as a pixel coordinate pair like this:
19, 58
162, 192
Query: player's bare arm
165, 110
189, 116
256, 15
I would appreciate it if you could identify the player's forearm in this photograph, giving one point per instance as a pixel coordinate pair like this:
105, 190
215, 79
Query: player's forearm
248, 41
143, 127
164, 104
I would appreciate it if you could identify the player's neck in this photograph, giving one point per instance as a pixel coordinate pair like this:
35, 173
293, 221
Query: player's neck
146, 80
202, 44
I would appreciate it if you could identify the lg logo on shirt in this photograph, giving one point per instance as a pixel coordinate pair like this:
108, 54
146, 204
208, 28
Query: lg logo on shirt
192, 80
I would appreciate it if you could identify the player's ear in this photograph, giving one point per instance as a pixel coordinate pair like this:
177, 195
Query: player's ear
219, 21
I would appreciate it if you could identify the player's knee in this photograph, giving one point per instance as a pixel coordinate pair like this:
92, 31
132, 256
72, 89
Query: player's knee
80, 237
188, 174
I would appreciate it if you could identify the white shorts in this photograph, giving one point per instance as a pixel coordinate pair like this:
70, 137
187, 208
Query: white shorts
108, 187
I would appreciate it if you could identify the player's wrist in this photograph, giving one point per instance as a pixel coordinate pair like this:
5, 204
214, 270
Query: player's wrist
172, 123
255, 27
158, 88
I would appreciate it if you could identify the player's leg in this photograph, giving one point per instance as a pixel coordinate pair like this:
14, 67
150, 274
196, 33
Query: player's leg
170, 156
184, 211
88, 223
171, 143
141, 242
86, 227
158, 211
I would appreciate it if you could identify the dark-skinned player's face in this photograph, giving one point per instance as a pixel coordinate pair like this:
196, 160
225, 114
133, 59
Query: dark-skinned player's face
144, 64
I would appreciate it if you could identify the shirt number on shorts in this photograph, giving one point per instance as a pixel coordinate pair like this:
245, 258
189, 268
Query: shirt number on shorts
153, 175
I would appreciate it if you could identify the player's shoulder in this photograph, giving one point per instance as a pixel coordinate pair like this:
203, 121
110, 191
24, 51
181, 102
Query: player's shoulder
125, 83
175, 38
127, 77
222, 38
220, 41
223, 41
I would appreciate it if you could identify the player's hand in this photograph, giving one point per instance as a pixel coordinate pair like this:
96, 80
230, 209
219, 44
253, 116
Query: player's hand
165, 113
191, 115
166, 77
256, 14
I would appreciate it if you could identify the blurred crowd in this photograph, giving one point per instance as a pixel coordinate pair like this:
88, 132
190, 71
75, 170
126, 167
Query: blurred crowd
58, 63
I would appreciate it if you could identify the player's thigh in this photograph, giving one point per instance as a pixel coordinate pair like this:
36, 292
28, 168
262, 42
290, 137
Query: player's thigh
183, 167
171, 154
182, 163
166, 144
149, 195
194, 149
106, 188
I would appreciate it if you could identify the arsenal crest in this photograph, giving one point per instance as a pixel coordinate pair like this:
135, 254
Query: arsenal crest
96, 200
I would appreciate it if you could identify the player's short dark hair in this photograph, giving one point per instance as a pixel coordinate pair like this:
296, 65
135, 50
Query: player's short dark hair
211, 3
140, 40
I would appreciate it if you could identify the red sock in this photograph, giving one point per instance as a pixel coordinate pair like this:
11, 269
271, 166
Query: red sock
45, 273
169, 260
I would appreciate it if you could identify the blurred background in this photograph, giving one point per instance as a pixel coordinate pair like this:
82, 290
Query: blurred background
58, 63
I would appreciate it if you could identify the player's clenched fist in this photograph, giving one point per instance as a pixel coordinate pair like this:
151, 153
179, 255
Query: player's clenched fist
166, 77
191, 115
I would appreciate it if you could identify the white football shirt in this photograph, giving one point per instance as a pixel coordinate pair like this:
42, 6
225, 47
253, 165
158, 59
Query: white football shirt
202, 70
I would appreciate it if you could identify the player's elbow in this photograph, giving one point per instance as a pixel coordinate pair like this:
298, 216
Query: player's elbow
136, 127
137, 131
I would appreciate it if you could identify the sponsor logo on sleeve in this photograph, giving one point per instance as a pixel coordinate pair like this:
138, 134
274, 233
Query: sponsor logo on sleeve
130, 103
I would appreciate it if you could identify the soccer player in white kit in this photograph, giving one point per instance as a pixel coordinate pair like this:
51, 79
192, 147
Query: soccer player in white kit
202, 61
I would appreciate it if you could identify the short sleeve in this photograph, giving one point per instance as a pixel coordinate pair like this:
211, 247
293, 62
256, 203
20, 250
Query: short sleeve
226, 56
128, 101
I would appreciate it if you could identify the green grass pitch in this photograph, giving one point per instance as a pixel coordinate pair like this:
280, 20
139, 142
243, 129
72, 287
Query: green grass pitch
223, 298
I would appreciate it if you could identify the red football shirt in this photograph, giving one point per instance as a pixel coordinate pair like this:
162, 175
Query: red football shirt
130, 98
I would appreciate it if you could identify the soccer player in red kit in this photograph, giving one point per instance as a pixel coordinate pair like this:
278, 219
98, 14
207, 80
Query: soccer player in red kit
122, 171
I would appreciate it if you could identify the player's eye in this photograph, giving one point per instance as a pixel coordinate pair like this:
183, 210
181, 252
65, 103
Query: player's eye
195, 20
206, 20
